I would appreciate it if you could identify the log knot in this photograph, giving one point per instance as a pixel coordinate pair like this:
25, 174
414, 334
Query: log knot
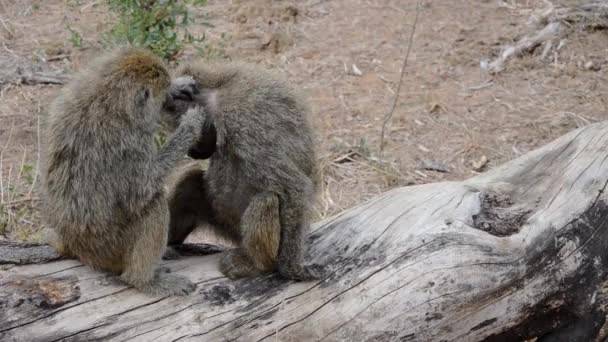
47, 293
498, 215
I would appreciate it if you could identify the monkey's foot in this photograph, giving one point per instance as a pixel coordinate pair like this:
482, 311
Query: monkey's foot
178, 251
169, 285
234, 264
171, 254
162, 269
301, 272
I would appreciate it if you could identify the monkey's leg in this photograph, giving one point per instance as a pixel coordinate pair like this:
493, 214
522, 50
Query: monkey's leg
189, 207
149, 236
260, 229
291, 247
53, 238
236, 264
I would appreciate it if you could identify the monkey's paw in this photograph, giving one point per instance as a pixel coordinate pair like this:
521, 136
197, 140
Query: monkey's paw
302, 272
169, 285
162, 269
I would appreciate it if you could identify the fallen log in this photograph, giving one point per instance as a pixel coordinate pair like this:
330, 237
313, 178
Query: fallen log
519, 252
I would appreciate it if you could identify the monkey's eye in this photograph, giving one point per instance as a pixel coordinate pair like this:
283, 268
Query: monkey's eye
146, 94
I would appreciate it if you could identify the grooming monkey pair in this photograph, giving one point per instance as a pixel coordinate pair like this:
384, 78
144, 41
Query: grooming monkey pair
104, 177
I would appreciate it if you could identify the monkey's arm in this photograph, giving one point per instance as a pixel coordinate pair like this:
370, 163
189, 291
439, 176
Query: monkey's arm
175, 149
206, 144
189, 204
184, 94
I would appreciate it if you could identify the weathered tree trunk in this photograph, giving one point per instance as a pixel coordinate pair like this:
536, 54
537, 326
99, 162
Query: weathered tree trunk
518, 252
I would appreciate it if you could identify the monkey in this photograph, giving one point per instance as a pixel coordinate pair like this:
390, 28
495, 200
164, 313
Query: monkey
262, 176
103, 174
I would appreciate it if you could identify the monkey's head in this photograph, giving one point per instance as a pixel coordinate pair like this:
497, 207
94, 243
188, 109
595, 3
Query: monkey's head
180, 97
149, 76
128, 81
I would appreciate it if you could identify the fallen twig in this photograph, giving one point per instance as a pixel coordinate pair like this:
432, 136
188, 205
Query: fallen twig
552, 24
389, 115
21, 200
43, 78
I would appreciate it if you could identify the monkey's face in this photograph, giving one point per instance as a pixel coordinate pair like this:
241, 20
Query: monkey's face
173, 110
142, 102
156, 102
180, 97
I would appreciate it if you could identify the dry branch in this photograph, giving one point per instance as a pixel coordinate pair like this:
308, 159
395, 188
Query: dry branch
389, 115
16, 71
43, 78
516, 253
552, 24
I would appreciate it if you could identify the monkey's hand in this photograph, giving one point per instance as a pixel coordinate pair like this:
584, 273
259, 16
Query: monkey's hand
171, 254
192, 123
177, 146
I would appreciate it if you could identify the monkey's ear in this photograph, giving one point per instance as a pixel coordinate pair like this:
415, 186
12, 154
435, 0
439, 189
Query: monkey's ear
169, 105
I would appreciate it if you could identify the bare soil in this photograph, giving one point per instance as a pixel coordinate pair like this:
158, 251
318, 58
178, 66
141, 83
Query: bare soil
452, 119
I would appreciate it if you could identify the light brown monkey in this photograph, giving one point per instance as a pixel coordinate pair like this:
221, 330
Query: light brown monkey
261, 179
104, 177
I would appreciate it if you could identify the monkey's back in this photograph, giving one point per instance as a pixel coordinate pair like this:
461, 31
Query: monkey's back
96, 159
262, 123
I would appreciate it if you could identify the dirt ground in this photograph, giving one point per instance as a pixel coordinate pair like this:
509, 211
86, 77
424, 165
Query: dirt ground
452, 119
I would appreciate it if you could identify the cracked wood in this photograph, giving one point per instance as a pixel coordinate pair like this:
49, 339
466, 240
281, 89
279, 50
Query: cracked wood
515, 253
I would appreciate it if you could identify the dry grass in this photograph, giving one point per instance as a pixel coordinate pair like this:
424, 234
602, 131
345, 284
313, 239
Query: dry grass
451, 120
18, 181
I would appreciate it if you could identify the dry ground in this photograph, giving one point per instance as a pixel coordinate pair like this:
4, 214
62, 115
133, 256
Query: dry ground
451, 116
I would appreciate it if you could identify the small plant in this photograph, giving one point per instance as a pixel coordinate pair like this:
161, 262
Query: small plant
17, 222
153, 24
4, 221
213, 52
160, 136
75, 37
27, 173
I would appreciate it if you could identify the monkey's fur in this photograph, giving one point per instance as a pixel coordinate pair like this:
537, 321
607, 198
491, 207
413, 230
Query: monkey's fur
261, 179
103, 175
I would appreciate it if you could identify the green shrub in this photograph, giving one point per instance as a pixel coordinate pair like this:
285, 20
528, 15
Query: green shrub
153, 24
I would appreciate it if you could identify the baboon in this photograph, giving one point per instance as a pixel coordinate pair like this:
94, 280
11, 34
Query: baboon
261, 179
104, 176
